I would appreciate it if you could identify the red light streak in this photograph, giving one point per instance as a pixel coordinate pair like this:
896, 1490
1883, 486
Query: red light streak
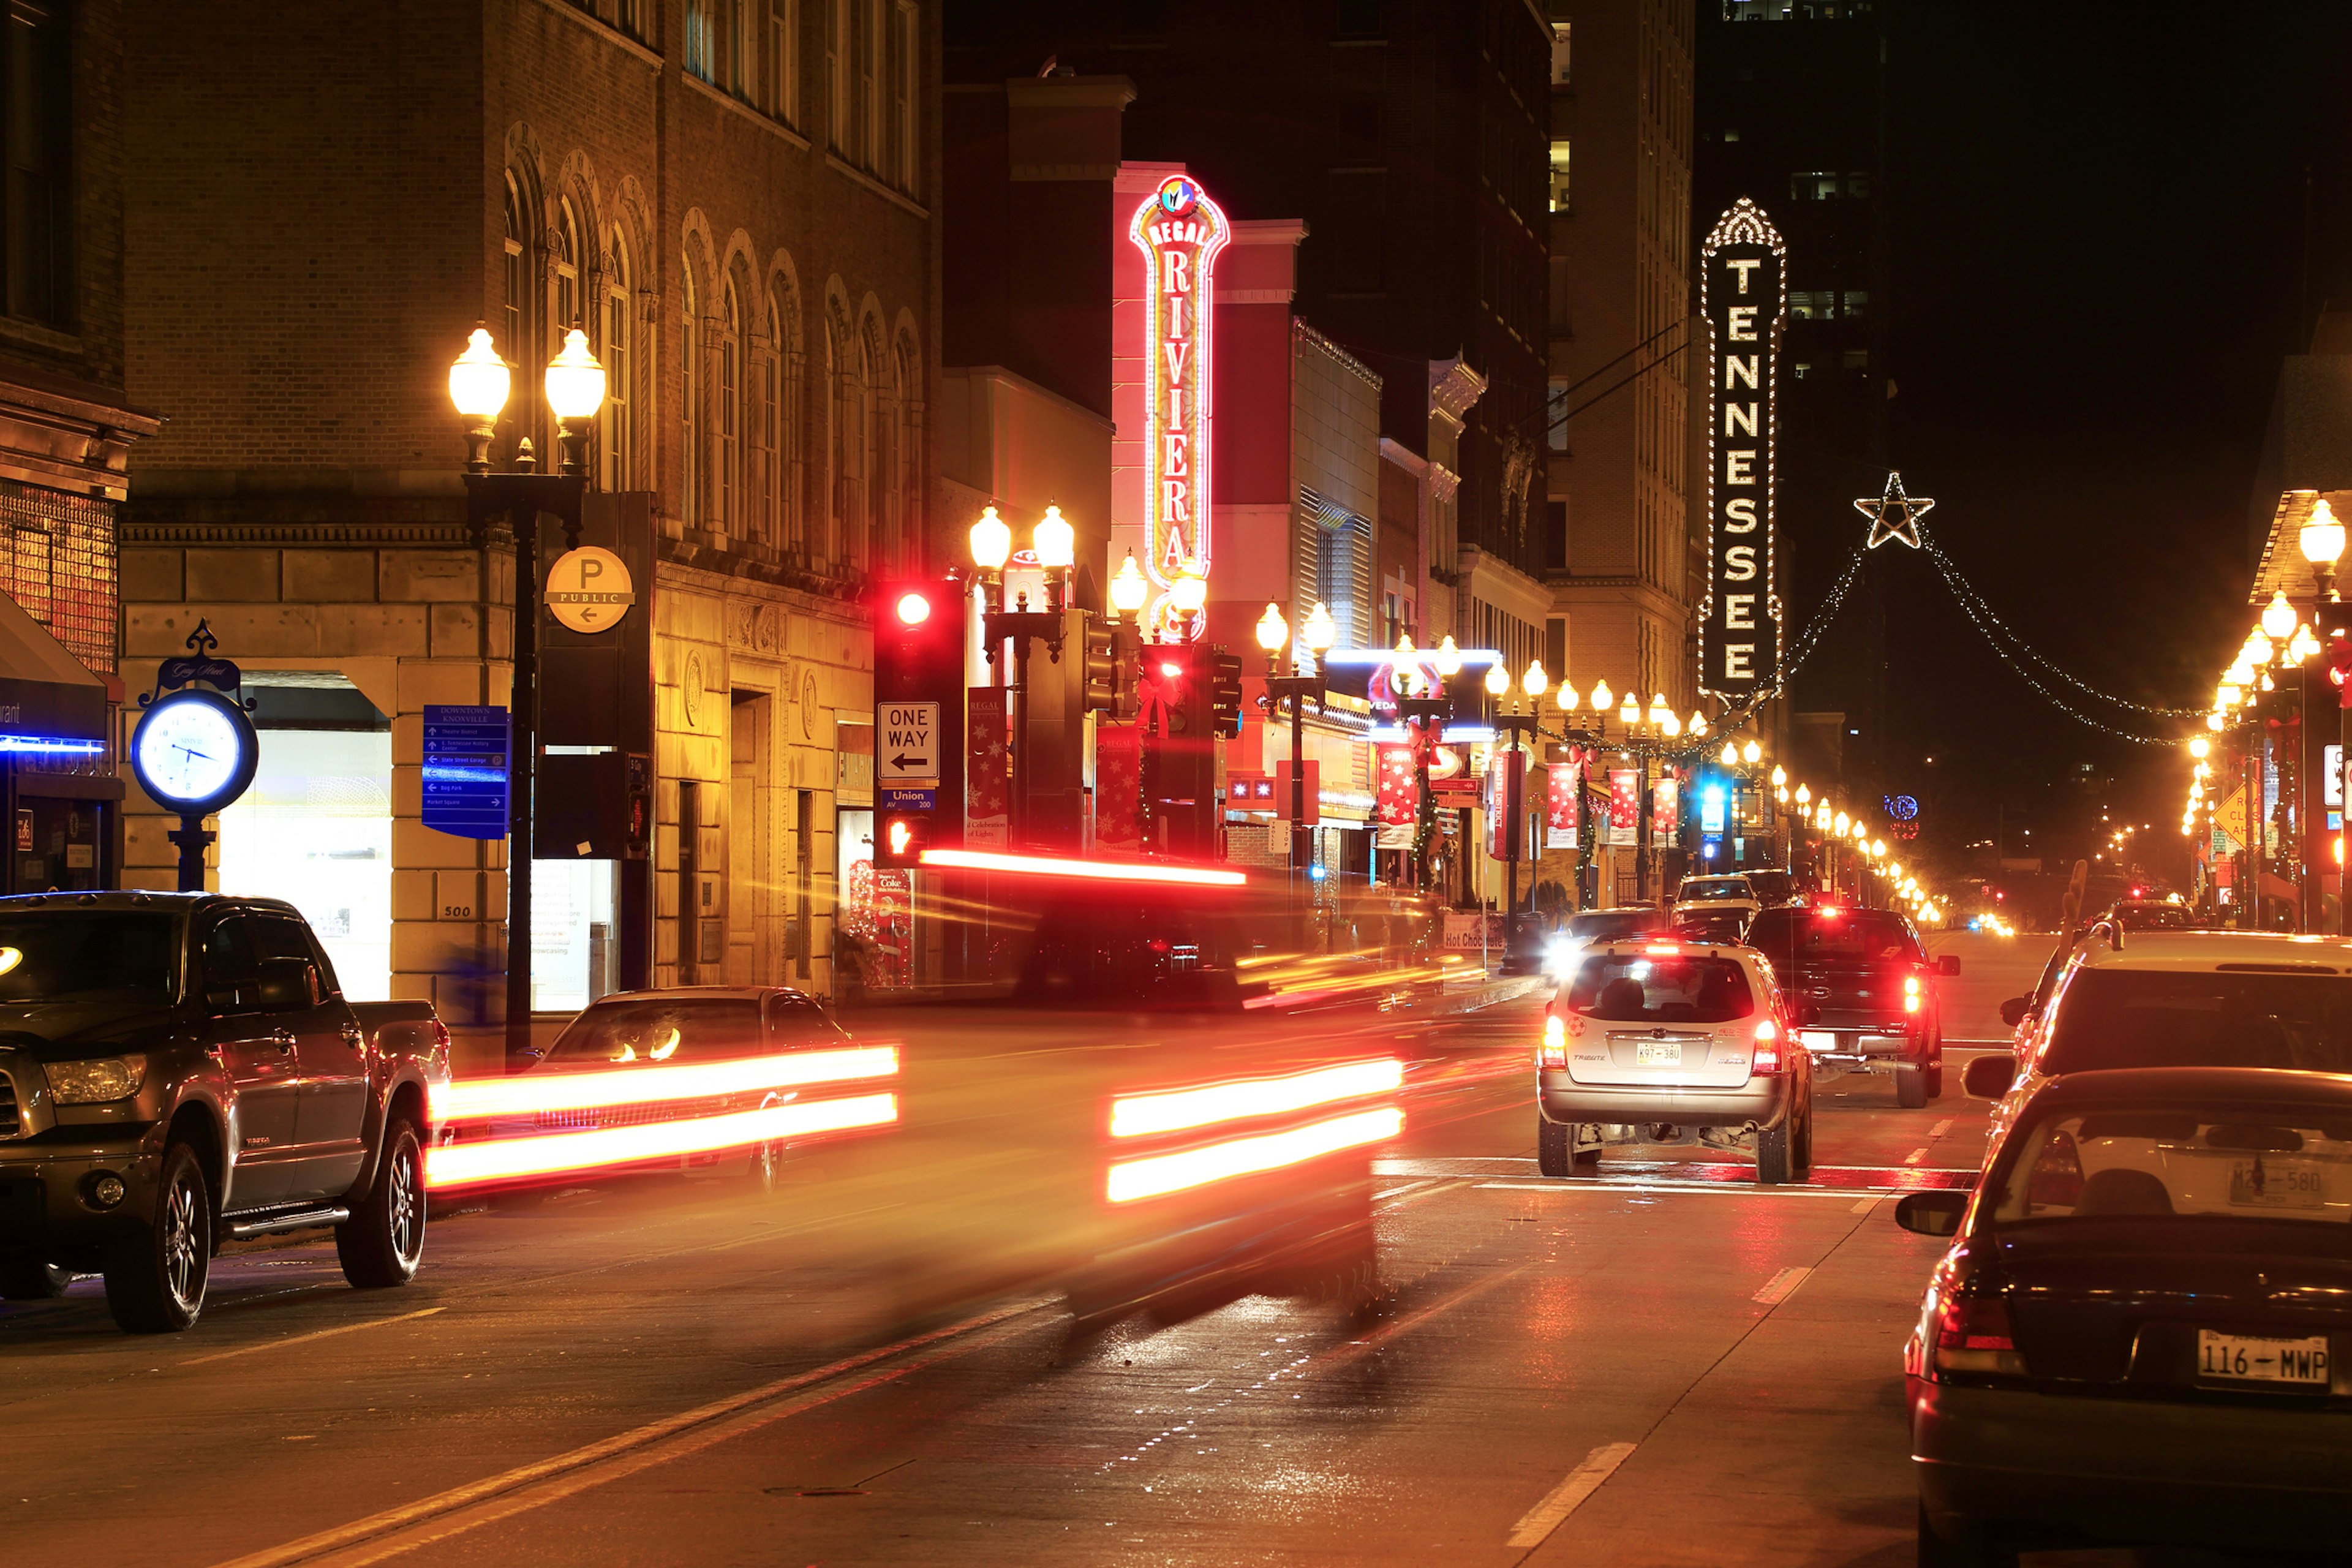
1090, 870
540, 1091
1142, 1115
1162, 1173
512, 1159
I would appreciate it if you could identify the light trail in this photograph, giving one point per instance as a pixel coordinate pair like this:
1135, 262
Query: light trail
533, 1092
1142, 1115
1085, 870
512, 1159
1162, 1173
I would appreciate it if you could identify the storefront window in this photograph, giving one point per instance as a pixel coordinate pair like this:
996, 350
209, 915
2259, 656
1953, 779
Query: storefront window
316, 831
574, 932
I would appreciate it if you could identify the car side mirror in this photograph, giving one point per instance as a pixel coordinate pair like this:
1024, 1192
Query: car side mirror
223, 999
284, 986
1990, 1077
2012, 1012
1931, 1214
1948, 963
1810, 1013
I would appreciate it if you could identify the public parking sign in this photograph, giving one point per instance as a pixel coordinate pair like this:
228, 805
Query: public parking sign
906, 743
465, 751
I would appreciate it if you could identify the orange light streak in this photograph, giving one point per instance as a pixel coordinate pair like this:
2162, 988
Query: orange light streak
543, 1091
1147, 1114
511, 1159
1163, 1173
1091, 871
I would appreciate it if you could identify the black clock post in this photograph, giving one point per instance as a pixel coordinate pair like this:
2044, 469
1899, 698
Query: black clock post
197, 678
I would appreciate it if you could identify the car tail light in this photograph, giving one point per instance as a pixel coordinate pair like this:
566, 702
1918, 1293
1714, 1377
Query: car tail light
1667, 947
1910, 994
1766, 1057
2057, 1178
1973, 1340
1554, 1053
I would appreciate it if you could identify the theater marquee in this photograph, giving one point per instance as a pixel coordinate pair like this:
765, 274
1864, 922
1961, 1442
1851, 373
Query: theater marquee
1180, 231
1742, 295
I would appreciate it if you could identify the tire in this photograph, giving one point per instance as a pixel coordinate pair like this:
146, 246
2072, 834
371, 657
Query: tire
25, 1277
1973, 1547
1802, 1155
155, 1282
1911, 1088
1555, 1141
1933, 1077
1773, 1165
384, 1241
1583, 1162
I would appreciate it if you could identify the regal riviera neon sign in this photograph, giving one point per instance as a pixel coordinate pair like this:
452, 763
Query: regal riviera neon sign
1180, 231
1741, 281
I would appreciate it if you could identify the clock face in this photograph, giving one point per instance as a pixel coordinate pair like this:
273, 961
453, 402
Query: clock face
190, 748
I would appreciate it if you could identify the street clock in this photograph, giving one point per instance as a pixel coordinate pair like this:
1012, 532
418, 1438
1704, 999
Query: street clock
195, 751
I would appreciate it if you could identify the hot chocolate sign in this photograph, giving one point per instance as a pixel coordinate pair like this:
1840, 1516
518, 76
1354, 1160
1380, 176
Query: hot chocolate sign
1180, 231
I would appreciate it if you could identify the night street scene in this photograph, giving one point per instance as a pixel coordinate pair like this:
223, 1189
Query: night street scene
1323, 781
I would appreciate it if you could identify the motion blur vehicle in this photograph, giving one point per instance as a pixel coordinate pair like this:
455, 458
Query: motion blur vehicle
179, 1071
2201, 998
1589, 927
2150, 914
1772, 888
2142, 1332
1662, 1042
1728, 927
1707, 896
1868, 989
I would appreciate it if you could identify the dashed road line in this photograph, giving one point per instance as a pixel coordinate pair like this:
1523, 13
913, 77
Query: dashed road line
1915, 1155
1781, 1286
305, 1339
1537, 1524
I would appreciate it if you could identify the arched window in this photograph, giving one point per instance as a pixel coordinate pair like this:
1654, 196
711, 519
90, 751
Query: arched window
909, 448
878, 534
792, 433
519, 338
730, 510
844, 437
618, 353
767, 503
689, 468
566, 265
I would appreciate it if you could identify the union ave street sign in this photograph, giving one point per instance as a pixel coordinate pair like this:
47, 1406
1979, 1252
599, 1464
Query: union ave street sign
906, 743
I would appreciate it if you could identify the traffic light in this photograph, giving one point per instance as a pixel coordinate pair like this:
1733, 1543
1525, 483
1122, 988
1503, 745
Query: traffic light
1098, 665
1226, 693
920, 630
902, 839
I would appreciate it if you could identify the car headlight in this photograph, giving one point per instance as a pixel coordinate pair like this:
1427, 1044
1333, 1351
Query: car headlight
97, 1081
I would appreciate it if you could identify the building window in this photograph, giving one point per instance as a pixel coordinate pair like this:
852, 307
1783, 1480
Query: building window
618, 353
1855, 360
1556, 418
765, 486
906, 526
1559, 176
702, 40
1556, 541
784, 327
36, 81
729, 512
1559, 53
1555, 654
1358, 18
784, 61
1812, 187
878, 535
906, 73
1812, 304
1855, 305
744, 30
566, 265
690, 346
522, 320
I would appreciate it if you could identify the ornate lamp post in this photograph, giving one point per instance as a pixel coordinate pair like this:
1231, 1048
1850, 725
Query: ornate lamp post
1053, 543
1316, 636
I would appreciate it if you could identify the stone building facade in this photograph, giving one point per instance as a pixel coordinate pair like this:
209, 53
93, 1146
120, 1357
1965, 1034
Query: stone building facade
730, 199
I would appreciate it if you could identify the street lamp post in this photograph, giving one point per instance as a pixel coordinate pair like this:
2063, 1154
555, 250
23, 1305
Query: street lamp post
479, 383
1423, 713
1316, 636
1535, 683
1055, 544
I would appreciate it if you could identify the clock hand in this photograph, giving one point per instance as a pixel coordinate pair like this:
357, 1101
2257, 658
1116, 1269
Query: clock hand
207, 756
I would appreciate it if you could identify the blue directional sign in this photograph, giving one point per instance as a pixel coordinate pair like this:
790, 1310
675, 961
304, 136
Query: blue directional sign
466, 771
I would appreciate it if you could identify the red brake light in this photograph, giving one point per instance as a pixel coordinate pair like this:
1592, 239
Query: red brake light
1973, 1337
1911, 994
1829, 911
913, 609
1663, 947
1766, 1057
1553, 1053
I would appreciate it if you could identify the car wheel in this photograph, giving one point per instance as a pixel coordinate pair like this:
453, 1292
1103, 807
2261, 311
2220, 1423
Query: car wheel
382, 1242
1933, 1077
1974, 1547
1803, 1155
155, 1282
1911, 1088
1554, 1143
25, 1277
1772, 1153
1583, 1162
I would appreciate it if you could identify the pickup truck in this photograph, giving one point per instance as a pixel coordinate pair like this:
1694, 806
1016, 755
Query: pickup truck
1865, 991
178, 1071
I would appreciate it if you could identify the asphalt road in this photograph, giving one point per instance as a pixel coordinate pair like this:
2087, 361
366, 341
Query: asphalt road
1666, 1365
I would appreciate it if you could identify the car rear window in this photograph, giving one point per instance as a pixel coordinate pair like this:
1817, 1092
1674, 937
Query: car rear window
2256, 1162
660, 1031
1628, 988
1718, 888
2107, 1017
1834, 934
1601, 925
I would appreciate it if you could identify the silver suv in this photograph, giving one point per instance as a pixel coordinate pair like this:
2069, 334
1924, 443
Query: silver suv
1663, 1041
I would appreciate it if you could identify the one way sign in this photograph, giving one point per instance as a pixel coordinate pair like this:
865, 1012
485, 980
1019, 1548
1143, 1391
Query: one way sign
907, 743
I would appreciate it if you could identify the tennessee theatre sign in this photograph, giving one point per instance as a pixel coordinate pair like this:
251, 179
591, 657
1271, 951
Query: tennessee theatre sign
1741, 294
1180, 231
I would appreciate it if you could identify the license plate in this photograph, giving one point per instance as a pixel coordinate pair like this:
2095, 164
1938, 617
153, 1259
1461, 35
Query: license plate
2275, 1185
1817, 1039
1658, 1053
2248, 1359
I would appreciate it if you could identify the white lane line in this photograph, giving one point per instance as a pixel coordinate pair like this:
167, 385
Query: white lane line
1727, 1189
1865, 1206
1941, 1128
1399, 1192
1915, 1155
1563, 1500
305, 1339
1781, 1286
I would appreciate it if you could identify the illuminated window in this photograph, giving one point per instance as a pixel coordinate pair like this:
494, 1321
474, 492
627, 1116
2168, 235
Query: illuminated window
1812, 304
702, 40
689, 499
1559, 176
1559, 53
1855, 305
618, 353
730, 411
1812, 187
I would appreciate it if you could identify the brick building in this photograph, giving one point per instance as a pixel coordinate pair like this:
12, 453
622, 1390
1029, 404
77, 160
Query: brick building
730, 198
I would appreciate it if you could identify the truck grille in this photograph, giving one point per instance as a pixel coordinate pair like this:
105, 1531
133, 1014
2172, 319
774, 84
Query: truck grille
12, 1121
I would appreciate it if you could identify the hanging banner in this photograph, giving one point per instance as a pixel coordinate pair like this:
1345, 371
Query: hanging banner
1179, 232
1624, 805
1561, 821
1742, 295
1118, 789
988, 777
1507, 776
1665, 811
1398, 794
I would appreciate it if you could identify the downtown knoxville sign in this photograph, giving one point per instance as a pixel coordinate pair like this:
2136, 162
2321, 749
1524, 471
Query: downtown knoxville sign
1743, 297
1179, 232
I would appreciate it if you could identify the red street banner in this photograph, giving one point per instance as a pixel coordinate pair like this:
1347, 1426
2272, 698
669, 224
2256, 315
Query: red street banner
1561, 824
1119, 788
1624, 805
988, 771
1665, 810
1507, 777
1397, 795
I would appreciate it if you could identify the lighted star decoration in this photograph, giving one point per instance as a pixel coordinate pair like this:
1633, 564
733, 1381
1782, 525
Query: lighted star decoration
1894, 516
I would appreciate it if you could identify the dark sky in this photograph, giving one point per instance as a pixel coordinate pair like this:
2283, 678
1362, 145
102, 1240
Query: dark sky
2097, 256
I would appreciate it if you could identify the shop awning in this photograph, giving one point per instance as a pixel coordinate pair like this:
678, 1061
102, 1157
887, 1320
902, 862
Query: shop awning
47, 695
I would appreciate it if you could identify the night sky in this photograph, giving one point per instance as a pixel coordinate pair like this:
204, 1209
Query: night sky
2097, 254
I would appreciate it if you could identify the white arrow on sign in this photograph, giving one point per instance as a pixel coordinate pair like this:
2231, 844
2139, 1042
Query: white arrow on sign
906, 743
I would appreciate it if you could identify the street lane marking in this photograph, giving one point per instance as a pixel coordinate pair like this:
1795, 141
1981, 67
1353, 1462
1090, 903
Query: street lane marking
306, 1339
1865, 1206
1941, 1128
1539, 1521
1725, 1189
1915, 1155
526, 1487
1781, 1286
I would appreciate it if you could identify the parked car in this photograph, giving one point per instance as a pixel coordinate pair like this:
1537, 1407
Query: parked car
2142, 1332
1872, 986
1665, 1041
178, 1071
2190, 998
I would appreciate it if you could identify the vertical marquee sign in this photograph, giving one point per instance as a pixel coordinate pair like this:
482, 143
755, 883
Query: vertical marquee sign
1180, 231
1742, 282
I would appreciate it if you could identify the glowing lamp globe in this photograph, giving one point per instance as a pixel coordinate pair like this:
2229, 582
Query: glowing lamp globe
2200, 748
2323, 537
1751, 752
1190, 592
2278, 618
576, 381
1055, 541
1321, 630
991, 541
1534, 682
1877, 849
479, 380
1602, 697
1449, 658
1672, 725
1660, 713
1499, 680
1128, 589
1631, 713
1566, 697
1730, 755
1697, 724
1273, 631
1804, 794
1843, 822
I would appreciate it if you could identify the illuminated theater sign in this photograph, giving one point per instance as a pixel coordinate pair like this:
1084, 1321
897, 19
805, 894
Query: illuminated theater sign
1742, 281
1180, 231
